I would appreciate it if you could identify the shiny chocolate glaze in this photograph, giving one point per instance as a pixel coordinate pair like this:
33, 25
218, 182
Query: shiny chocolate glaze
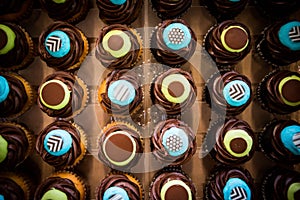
159, 150
113, 108
76, 90
119, 14
167, 9
158, 97
15, 10
269, 96
165, 55
216, 134
124, 62
9, 189
121, 181
69, 158
215, 48
214, 91
76, 44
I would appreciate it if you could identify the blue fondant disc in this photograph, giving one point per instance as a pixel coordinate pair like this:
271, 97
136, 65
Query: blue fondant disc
235, 188
57, 44
1, 197
234, 0
236, 93
175, 141
118, 2
58, 142
289, 35
115, 193
121, 92
290, 137
177, 36
4, 89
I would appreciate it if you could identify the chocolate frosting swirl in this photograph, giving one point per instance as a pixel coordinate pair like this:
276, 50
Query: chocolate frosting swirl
217, 51
122, 181
76, 99
76, 46
270, 141
165, 55
214, 91
16, 99
18, 144
119, 14
69, 158
158, 97
159, 150
113, 108
220, 176
11, 190
62, 184
269, 95
124, 62
15, 10
273, 50
167, 9
216, 134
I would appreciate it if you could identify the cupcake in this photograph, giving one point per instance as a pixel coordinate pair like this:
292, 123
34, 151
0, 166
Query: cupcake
62, 185
232, 141
15, 10
173, 142
228, 42
170, 184
224, 10
276, 92
16, 144
170, 9
118, 47
63, 46
70, 11
281, 184
16, 47
228, 91
120, 146
173, 42
173, 91
279, 141
119, 11
62, 95
16, 95
119, 185
279, 44
61, 144
229, 183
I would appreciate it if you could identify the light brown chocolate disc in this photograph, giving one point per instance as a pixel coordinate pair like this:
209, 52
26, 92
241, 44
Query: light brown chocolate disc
236, 38
53, 94
115, 42
176, 192
176, 89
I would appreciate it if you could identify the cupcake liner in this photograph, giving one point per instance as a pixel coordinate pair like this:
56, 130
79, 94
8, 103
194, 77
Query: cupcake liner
260, 138
267, 176
140, 41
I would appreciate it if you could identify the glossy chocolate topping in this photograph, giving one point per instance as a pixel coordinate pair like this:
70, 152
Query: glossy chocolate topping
16, 99
121, 181
158, 97
119, 14
11, 190
167, 9
124, 62
213, 44
76, 46
15, 10
161, 153
278, 8
165, 55
76, 90
68, 158
62, 184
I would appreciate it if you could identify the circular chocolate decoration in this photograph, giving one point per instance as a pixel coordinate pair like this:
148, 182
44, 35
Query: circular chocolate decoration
175, 189
8, 37
294, 191
236, 189
57, 44
4, 88
58, 142
121, 92
287, 88
3, 39
54, 194
237, 93
118, 2
290, 137
235, 39
238, 145
115, 193
115, 42
175, 141
177, 36
289, 35
176, 89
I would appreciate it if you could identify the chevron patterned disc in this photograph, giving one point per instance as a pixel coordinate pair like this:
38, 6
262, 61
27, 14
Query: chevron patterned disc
238, 193
294, 34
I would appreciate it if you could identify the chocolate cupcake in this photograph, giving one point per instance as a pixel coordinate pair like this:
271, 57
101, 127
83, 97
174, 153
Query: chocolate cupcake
173, 142
281, 184
173, 42
232, 141
62, 95
61, 144
119, 11
120, 146
279, 44
170, 184
15, 10
229, 183
118, 47
16, 95
228, 42
170, 9
279, 141
228, 91
276, 92
63, 46
119, 185
224, 10
16, 47
173, 91
120, 93
71, 11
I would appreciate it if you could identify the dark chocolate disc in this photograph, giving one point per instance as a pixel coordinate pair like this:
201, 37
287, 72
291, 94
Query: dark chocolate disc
289, 91
3, 39
176, 192
53, 93
238, 145
236, 38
